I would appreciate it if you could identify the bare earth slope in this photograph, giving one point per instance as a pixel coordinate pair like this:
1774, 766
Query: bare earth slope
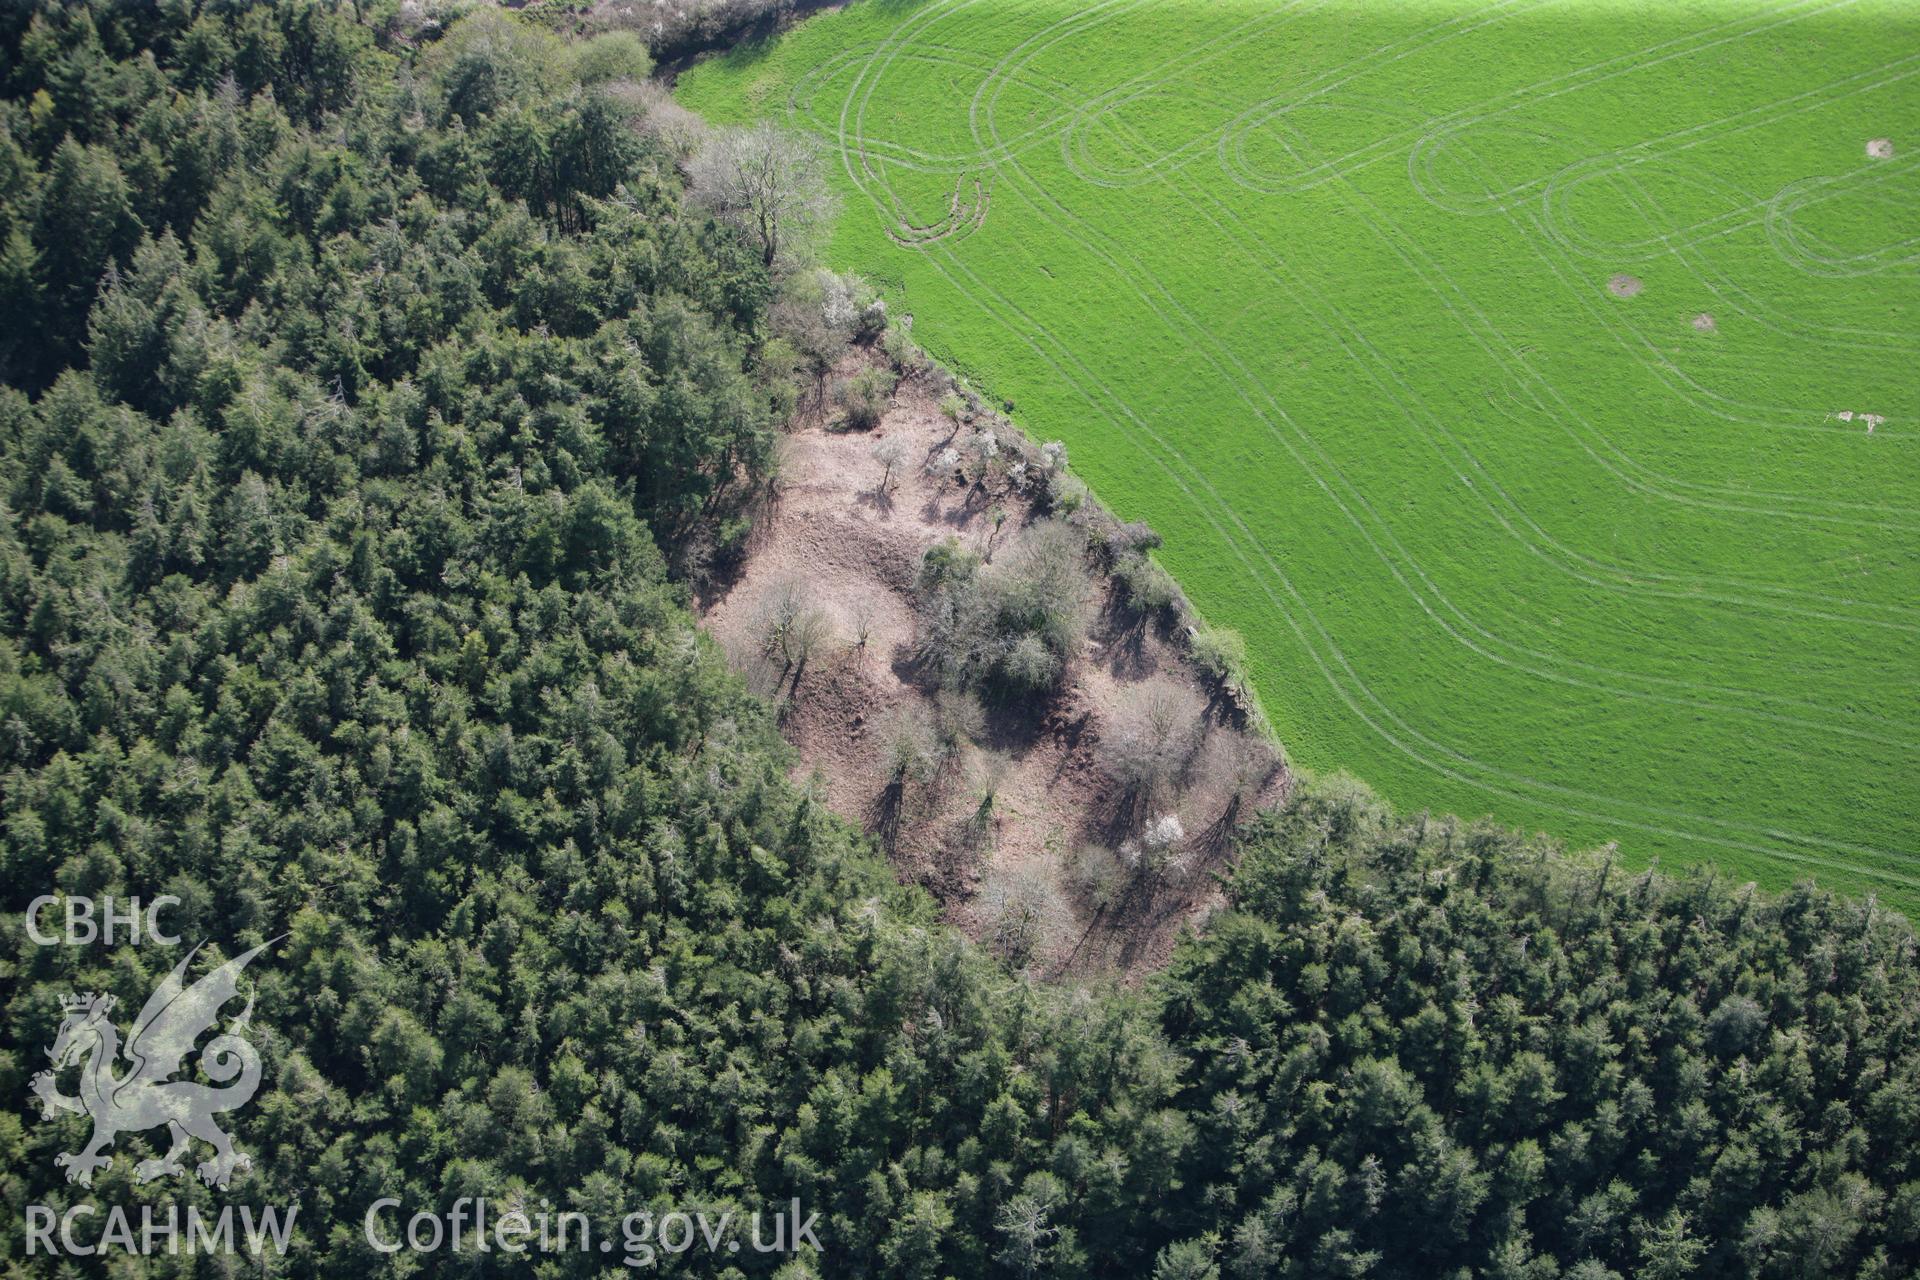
1030, 861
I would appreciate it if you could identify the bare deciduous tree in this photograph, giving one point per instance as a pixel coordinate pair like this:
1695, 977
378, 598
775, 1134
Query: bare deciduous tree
997, 514
768, 181
1095, 873
959, 720
907, 746
1153, 733
792, 625
978, 831
1023, 912
809, 629
1241, 764
1029, 667
889, 453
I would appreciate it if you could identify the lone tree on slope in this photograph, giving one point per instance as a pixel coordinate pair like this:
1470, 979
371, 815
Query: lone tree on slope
889, 452
769, 182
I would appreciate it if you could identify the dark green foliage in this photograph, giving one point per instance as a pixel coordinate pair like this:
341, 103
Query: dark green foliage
1452, 1051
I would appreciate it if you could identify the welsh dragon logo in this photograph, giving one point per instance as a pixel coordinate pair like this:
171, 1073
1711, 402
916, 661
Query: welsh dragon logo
143, 1097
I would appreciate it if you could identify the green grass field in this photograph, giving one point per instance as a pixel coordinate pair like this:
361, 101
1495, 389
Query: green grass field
1503, 372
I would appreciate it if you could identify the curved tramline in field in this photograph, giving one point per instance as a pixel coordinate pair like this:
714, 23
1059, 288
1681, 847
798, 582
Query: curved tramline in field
1531, 382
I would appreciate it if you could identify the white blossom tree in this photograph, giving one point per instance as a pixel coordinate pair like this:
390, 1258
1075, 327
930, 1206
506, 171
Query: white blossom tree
769, 182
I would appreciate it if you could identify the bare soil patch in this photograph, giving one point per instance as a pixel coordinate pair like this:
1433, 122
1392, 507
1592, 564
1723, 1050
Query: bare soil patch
1026, 819
1880, 149
1703, 323
1624, 286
